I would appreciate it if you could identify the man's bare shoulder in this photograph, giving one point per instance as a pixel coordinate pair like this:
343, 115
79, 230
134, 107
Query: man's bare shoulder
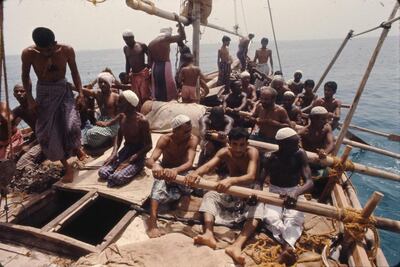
253, 152
29, 52
194, 140
142, 119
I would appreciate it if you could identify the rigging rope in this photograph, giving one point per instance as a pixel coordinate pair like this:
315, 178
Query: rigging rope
244, 17
386, 24
236, 26
273, 31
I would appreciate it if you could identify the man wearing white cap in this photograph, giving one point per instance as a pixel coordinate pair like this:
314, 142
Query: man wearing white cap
94, 136
122, 166
249, 90
178, 150
317, 136
163, 83
136, 67
285, 169
292, 110
295, 84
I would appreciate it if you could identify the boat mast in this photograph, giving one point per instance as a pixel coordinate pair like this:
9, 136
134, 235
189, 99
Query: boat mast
196, 31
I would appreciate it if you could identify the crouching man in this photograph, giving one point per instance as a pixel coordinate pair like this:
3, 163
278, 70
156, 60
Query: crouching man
285, 168
242, 163
178, 150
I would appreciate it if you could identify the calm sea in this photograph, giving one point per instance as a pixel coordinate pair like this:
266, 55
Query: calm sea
378, 109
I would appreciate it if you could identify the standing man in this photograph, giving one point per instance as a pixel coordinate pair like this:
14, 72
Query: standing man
135, 67
58, 124
262, 56
224, 62
243, 49
163, 82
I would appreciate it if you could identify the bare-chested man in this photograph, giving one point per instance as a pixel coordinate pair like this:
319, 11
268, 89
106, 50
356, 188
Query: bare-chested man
331, 104
262, 56
242, 163
235, 101
224, 61
285, 168
296, 85
243, 49
97, 135
306, 100
249, 90
191, 78
121, 167
136, 66
317, 136
163, 82
292, 110
278, 83
58, 125
269, 116
178, 150
214, 122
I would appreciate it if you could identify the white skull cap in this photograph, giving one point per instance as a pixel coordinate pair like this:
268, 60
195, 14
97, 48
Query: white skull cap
127, 33
285, 133
318, 111
107, 77
289, 93
244, 74
299, 71
131, 97
179, 120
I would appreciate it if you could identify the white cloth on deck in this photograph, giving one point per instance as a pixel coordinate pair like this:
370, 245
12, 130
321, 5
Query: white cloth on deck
286, 224
263, 68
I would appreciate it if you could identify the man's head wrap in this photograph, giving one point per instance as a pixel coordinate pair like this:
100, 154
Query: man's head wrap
107, 77
244, 74
127, 33
298, 71
285, 133
131, 97
318, 111
179, 120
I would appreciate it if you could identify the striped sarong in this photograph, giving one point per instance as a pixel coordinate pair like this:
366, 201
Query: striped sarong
224, 72
95, 136
58, 123
163, 83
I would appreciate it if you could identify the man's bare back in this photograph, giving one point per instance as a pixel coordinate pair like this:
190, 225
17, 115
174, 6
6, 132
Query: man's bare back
189, 75
223, 54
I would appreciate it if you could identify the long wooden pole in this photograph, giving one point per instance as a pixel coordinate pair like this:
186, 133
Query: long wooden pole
372, 148
153, 10
196, 31
391, 137
364, 80
348, 36
301, 205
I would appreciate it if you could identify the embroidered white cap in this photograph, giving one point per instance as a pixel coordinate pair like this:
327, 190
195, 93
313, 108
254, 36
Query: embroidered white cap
318, 111
127, 33
285, 133
131, 97
244, 74
179, 120
289, 93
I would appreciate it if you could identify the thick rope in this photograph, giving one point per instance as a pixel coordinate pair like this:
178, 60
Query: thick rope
273, 31
383, 25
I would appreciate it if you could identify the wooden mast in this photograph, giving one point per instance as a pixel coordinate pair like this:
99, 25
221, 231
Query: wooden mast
196, 31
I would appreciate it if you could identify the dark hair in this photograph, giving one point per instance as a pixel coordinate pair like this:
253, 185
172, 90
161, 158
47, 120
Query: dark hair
187, 57
264, 39
309, 83
217, 111
43, 37
278, 72
225, 38
251, 35
332, 85
238, 133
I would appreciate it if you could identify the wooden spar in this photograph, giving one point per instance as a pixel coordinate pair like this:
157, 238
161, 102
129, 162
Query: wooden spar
196, 32
364, 80
301, 205
151, 9
371, 148
330, 161
348, 36
391, 137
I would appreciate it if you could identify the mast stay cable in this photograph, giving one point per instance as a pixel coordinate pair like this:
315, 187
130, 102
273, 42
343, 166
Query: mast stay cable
385, 25
273, 31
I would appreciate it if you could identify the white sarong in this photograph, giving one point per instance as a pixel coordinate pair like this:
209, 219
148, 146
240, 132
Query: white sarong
263, 68
286, 224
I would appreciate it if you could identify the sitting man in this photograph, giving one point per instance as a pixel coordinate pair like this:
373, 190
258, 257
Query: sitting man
214, 122
122, 166
97, 135
306, 99
278, 83
242, 162
178, 150
6, 120
331, 104
190, 77
235, 102
269, 116
249, 90
296, 85
285, 168
292, 110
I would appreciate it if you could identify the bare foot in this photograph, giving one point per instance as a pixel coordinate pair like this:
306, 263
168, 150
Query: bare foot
288, 257
236, 253
81, 154
206, 239
152, 229
68, 176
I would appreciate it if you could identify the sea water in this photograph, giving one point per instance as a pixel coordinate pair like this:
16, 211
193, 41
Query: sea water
378, 108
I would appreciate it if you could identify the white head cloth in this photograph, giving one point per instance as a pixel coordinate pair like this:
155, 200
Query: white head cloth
285, 133
166, 31
244, 74
179, 120
289, 93
107, 77
127, 33
318, 111
299, 71
131, 97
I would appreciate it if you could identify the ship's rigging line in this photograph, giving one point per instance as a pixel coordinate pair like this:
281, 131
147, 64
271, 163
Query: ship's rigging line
244, 17
273, 31
384, 24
